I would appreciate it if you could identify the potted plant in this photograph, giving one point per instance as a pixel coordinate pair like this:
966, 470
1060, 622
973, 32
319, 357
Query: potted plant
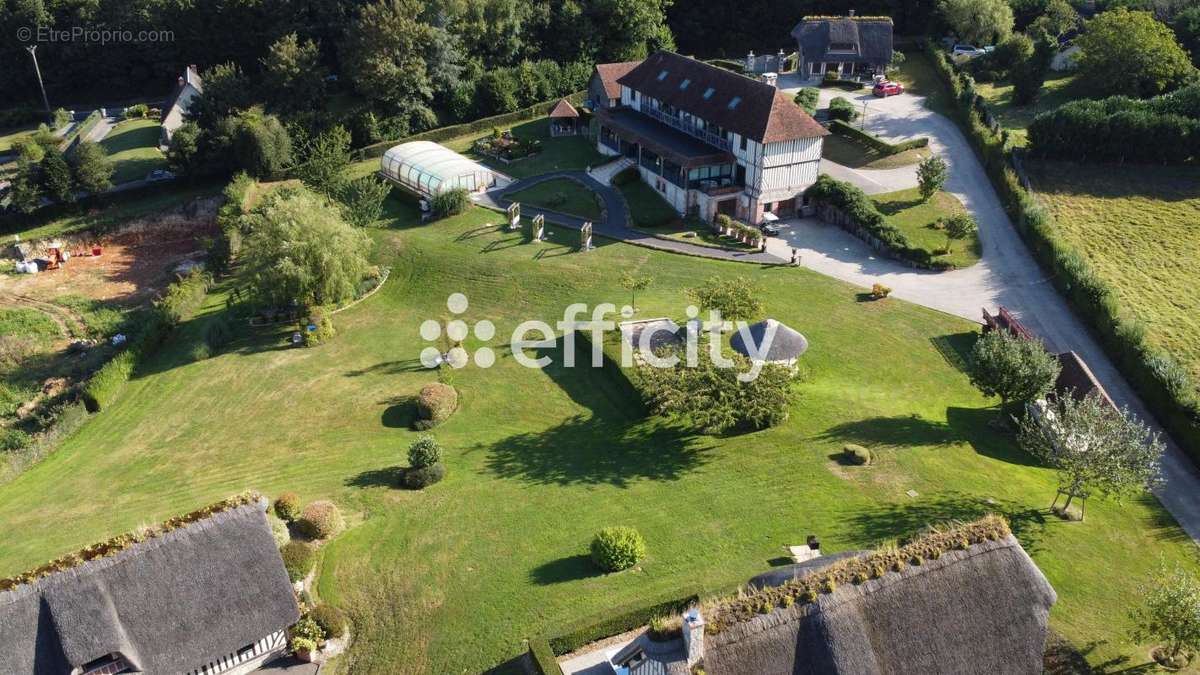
304, 649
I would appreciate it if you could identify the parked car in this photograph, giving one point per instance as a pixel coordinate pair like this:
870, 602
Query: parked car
769, 230
887, 88
967, 51
159, 175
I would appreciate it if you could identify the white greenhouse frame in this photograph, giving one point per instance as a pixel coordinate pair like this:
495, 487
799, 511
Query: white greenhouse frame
428, 168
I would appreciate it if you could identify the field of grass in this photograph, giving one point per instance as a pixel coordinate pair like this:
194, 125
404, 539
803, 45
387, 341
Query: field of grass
1137, 225
1058, 89
558, 153
21, 322
647, 208
454, 578
57, 221
698, 232
562, 195
856, 155
132, 146
10, 136
915, 218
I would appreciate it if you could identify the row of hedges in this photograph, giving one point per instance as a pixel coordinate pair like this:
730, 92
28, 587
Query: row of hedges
1163, 385
876, 143
224, 247
179, 302
1164, 129
868, 223
478, 126
610, 623
80, 131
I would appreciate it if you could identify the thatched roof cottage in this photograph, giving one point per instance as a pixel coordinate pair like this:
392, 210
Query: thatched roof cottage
208, 595
965, 601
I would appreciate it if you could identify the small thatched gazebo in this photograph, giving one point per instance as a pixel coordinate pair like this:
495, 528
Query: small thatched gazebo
564, 119
785, 346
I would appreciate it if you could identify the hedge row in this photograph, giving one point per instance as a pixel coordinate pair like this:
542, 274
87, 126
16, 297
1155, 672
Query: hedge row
615, 622
478, 126
1165, 129
179, 302
80, 131
542, 657
224, 247
854, 204
1162, 383
875, 142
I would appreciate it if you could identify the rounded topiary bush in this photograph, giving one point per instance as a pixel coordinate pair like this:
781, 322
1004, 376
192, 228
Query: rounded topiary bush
425, 451
321, 519
331, 620
617, 548
856, 454
435, 404
418, 478
287, 506
279, 530
298, 559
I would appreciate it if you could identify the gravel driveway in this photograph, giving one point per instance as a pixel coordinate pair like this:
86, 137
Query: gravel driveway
1007, 274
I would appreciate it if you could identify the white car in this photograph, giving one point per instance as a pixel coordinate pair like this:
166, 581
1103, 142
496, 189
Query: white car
967, 51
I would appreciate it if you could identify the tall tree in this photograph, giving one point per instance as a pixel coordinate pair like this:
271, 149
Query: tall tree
735, 299
325, 159
631, 29
931, 176
183, 155
494, 30
226, 91
56, 177
261, 145
959, 227
1168, 611
26, 188
362, 199
980, 22
1015, 369
1187, 31
1092, 446
1132, 53
93, 169
293, 74
384, 56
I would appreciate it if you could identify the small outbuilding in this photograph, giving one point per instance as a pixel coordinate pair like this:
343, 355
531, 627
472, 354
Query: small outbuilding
426, 169
783, 344
564, 119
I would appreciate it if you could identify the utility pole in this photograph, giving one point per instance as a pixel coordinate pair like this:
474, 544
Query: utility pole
32, 52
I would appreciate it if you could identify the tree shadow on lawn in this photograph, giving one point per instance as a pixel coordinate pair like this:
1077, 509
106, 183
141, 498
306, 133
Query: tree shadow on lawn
400, 413
904, 520
570, 568
388, 476
1160, 523
1064, 658
969, 425
591, 450
391, 368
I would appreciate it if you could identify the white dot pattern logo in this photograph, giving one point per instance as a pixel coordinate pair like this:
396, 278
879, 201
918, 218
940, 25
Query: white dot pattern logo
457, 330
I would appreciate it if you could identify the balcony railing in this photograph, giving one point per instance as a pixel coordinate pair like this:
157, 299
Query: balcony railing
689, 129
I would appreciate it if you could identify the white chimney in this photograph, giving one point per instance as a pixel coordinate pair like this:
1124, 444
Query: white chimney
693, 637
851, 13
750, 61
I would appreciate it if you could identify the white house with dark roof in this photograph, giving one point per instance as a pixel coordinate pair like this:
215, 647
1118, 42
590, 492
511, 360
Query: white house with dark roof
709, 140
174, 113
207, 597
846, 46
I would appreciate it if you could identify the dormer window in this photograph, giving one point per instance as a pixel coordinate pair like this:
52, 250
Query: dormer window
708, 93
848, 47
734, 103
662, 76
684, 85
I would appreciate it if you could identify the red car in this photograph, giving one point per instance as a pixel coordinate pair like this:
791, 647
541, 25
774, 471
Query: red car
885, 89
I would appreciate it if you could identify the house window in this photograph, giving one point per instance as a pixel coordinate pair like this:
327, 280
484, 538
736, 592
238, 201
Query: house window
244, 651
743, 143
684, 85
734, 103
708, 93
662, 76
843, 47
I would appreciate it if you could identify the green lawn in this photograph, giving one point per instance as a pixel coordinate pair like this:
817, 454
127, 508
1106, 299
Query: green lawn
698, 232
1137, 225
856, 155
562, 195
1058, 89
10, 136
55, 221
647, 208
915, 218
132, 146
454, 578
558, 153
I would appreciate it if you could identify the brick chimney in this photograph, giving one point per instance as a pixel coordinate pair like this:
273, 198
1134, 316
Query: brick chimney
693, 637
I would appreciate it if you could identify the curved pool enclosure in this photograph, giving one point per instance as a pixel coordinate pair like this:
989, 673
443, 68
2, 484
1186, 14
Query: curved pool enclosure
428, 168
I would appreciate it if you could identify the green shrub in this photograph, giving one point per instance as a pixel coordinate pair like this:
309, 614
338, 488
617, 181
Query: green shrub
842, 109
303, 645
542, 658
617, 548
321, 519
219, 333
106, 384
419, 478
287, 506
318, 329
424, 452
807, 98
298, 559
331, 620
137, 111
12, 440
435, 404
856, 454
308, 629
615, 622
450, 202
279, 530
199, 351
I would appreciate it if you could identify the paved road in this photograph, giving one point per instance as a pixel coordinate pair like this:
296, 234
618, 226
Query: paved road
1007, 274
616, 224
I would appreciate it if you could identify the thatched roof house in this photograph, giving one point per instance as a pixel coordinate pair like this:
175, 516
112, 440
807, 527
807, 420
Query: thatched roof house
845, 45
784, 347
210, 596
974, 603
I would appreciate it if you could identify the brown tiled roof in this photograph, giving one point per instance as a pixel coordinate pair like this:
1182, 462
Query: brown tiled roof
1077, 379
564, 109
761, 112
611, 72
